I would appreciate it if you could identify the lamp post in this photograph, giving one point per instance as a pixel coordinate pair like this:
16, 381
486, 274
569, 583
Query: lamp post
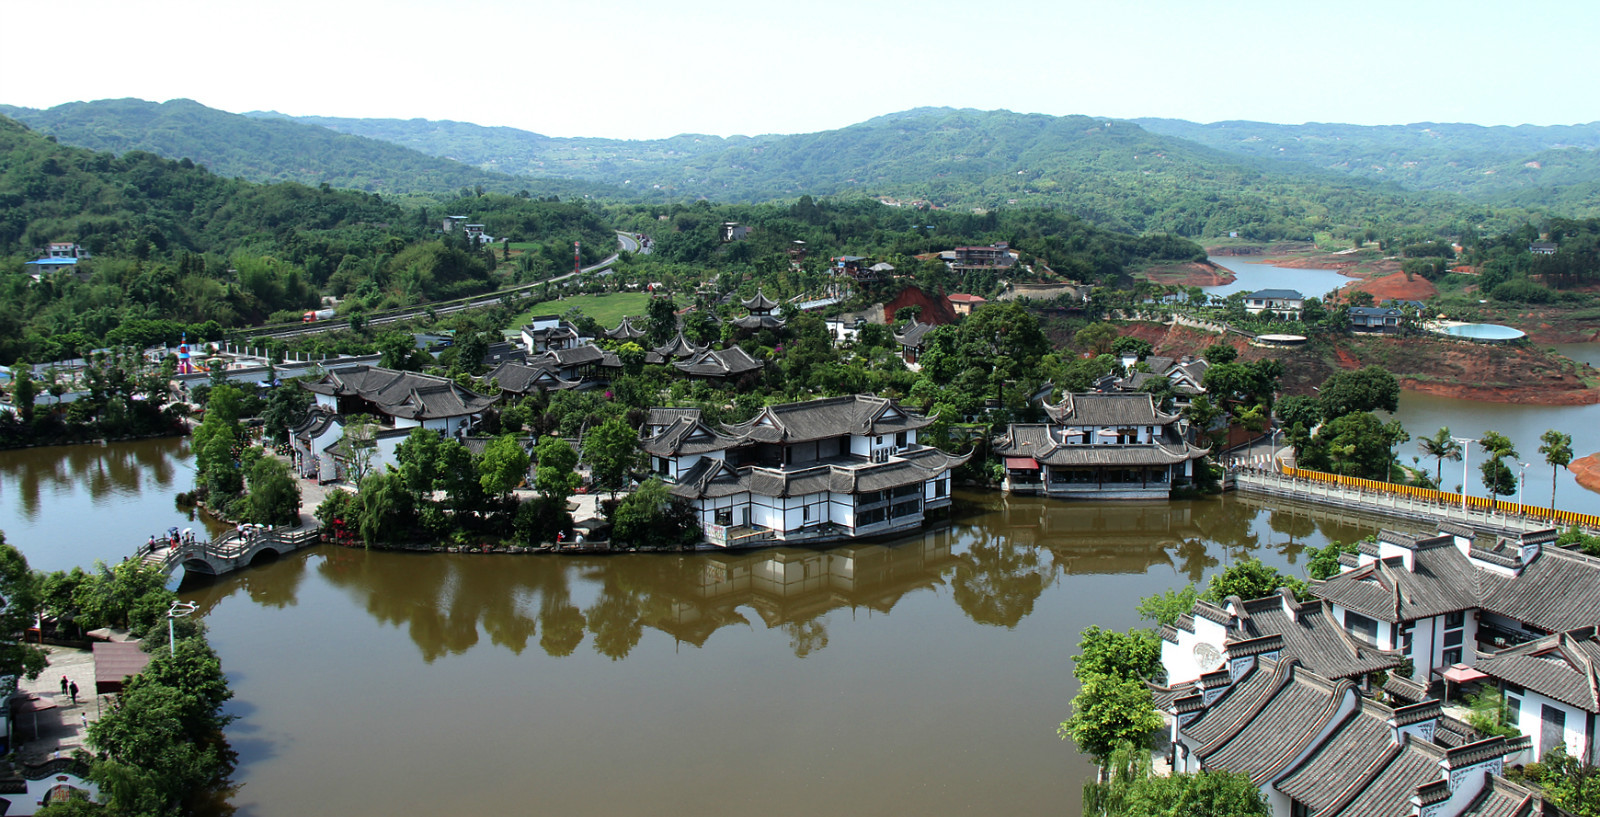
179, 609
1466, 455
1522, 478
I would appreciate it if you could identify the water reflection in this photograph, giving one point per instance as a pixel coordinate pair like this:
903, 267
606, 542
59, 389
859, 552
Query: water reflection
998, 557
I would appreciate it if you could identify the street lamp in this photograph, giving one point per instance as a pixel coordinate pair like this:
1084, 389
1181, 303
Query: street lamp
1466, 455
1522, 479
179, 609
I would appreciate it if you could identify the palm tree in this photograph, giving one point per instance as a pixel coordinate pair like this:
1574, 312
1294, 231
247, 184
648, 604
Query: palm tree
1557, 451
1441, 446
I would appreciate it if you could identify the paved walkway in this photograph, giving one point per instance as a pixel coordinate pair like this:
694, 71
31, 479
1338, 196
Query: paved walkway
60, 730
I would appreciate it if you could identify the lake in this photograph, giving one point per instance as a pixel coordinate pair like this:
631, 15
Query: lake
925, 675
1249, 277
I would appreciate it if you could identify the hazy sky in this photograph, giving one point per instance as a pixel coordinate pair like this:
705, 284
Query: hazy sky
635, 69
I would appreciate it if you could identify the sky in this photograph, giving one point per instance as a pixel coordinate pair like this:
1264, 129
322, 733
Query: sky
632, 69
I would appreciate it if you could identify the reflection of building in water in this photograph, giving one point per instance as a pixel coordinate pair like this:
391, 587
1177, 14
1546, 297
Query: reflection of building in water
786, 586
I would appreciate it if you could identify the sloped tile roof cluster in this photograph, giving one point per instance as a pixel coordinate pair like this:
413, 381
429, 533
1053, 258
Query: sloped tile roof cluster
730, 362
403, 394
1564, 666
914, 334
679, 347
714, 477
1048, 445
675, 432
1311, 634
1335, 752
519, 378
828, 417
760, 303
1556, 590
1113, 410
625, 331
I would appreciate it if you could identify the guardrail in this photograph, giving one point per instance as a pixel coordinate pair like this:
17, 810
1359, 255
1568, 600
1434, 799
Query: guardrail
1406, 500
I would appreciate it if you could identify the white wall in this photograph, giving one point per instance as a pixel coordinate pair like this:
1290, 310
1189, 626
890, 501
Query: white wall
1530, 722
1179, 659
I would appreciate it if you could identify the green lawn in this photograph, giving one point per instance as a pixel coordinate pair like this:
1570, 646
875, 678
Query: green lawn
608, 308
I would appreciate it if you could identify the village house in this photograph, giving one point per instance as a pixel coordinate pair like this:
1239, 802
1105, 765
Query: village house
1551, 689
1185, 375
520, 379
913, 339
1376, 319
995, 257
1210, 638
827, 469
964, 304
398, 402
1448, 605
67, 249
721, 366
544, 333
1098, 446
1285, 303
1316, 746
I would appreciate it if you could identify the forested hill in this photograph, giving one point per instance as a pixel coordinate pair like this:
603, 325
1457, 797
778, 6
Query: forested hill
264, 150
1485, 163
1114, 174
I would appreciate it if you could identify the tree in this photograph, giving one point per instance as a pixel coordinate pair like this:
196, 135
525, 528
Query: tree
1323, 563
358, 446
23, 390
1557, 450
661, 320
504, 465
18, 590
651, 517
1355, 444
274, 497
1134, 654
1219, 353
1370, 388
555, 474
1570, 783
1249, 579
1167, 607
384, 510
1298, 409
1497, 476
1110, 711
1097, 338
1441, 446
612, 451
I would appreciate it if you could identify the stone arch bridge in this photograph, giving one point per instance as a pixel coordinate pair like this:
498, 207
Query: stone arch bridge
232, 551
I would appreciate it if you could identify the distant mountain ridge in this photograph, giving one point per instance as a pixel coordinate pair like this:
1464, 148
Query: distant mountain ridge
259, 150
1257, 181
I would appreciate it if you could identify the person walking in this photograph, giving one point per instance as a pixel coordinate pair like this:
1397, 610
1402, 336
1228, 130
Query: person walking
74, 689
63, 685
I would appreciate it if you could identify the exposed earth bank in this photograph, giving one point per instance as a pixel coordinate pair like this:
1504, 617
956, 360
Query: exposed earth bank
1494, 374
1587, 471
1193, 274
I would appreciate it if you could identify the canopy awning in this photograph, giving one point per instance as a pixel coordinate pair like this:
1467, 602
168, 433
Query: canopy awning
1463, 674
114, 661
1022, 464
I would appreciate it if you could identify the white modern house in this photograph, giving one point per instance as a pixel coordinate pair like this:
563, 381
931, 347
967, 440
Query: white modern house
828, 469
1285, 303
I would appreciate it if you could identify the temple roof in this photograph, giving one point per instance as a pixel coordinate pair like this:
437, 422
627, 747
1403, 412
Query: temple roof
403, 394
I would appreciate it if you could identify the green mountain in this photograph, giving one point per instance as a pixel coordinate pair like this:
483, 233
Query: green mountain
1113, 173
260, 150
1491, 164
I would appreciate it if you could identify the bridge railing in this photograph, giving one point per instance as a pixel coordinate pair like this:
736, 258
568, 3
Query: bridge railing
1318, 486
1556, 516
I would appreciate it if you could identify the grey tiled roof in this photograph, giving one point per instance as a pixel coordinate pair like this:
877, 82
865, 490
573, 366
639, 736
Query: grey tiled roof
913, 335
1558, 590
1312, 635
317, 421
685, 435
1276, 293
1389, 791
1501, 798
586, 355
1359, 745
1266, 719
759, 303
1044, 443
403, 394
625, 331
1115, 410
1565, 666
834, 477
679, 347
730, 362
828, 417
756, 322
1443, 581
519, 378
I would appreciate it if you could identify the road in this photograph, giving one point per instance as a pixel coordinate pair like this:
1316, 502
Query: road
625, 241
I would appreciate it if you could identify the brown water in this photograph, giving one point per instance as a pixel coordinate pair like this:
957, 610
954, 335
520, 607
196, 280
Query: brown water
923, 676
